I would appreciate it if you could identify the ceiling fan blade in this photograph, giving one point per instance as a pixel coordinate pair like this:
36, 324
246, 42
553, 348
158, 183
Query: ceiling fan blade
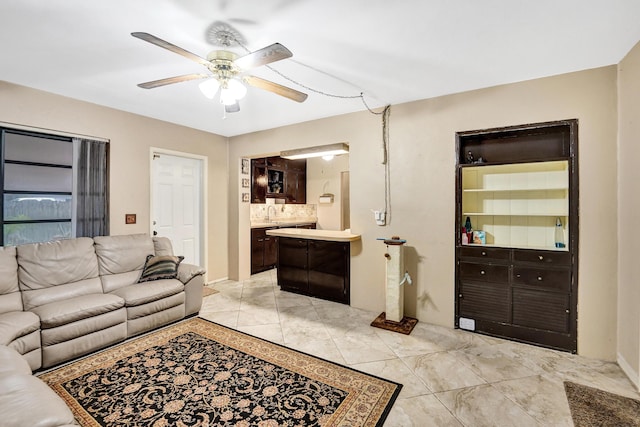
172, 80
169, 46
276, 88
233, 108
263, 56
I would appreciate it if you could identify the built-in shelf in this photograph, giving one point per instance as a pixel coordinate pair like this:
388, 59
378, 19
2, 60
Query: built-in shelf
516, 205
539, 248
498, 190
549, 214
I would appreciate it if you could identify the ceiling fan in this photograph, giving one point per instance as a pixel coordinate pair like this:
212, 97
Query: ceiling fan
228, 72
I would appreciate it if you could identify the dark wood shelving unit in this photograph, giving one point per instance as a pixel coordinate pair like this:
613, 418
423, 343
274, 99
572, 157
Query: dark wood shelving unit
514, 183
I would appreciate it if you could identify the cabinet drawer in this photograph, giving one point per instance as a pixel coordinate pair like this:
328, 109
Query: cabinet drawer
558, 279
484, 272
542, 257
484, 252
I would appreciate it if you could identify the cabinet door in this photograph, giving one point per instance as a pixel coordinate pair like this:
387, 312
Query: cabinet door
484, 301
301, 188
328, 270
296, 187
257, 254
270, 251
258, 181
292, 264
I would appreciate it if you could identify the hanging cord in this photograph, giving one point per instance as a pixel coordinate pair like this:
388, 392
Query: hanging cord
385, 161
310, 89
385, 113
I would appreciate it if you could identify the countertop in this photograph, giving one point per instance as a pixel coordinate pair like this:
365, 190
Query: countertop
311, 234
283, 222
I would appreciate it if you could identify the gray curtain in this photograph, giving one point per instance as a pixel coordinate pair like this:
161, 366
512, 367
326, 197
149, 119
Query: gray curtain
92, 188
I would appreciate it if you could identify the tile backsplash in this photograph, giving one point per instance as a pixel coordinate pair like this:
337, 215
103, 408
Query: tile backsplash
258, 211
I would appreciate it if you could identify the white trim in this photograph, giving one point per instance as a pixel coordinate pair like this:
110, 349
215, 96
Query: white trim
51, 131
222, 279
204, 214
629, 371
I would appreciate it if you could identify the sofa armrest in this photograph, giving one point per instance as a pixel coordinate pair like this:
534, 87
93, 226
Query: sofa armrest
186, 272
193, 278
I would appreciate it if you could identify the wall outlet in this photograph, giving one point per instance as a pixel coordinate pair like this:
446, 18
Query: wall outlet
380, 217
468, 324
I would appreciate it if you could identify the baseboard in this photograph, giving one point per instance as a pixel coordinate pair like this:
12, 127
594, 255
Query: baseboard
218, 280
629, 372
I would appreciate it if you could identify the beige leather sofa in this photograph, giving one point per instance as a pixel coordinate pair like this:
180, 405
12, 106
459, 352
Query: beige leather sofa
24, 399
65, 299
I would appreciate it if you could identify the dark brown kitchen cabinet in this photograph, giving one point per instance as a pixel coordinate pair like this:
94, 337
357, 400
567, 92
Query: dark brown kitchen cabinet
279, 178
329, 270
264, 250
316, 268
296, 187
515, 184
293, 269
258, 181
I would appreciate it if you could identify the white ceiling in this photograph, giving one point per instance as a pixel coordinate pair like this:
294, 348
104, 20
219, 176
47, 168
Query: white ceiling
393, 51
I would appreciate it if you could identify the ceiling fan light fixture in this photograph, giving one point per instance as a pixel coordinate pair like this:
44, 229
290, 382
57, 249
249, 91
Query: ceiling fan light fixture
237, 89
232, 91
209, 87
318, 151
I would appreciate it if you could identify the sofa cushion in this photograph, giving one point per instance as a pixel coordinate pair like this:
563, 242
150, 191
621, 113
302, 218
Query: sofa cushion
121, 254
42, 265
10, 299
160, 267
54, 271
77, 308
143, 293
111, 282
27, 401
17, 324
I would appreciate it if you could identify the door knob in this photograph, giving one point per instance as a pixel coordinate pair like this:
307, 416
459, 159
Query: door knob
155, 233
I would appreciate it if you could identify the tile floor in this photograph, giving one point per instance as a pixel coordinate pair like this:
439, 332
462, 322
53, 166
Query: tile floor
450, 377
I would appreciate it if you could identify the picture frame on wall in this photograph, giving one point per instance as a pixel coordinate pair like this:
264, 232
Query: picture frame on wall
245, 197
245, 182
244, 166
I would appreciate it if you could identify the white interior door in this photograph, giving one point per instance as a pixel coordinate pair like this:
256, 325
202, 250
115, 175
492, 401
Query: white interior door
177, 204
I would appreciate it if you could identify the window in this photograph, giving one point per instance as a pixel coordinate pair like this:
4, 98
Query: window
37, 184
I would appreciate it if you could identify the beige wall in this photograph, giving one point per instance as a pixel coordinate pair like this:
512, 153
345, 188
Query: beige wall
131, 137
422, 164
324, 177
629, 214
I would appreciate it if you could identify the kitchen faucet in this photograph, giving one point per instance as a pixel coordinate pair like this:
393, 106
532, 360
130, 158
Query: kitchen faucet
269, 211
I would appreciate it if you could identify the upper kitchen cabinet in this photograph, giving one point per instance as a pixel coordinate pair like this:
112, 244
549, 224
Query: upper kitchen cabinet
275, 177
258, 181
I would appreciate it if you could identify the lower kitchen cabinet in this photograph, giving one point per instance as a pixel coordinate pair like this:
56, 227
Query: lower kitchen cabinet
264, 250
316, 268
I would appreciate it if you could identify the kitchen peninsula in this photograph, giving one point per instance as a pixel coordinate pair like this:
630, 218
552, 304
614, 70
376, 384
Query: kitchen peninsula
315, 262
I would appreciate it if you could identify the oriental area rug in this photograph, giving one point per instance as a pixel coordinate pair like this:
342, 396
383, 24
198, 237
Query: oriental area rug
591, 407
199, 373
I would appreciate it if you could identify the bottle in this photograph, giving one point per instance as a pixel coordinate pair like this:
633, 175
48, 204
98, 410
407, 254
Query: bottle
559, 234
465, 238
469, 230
